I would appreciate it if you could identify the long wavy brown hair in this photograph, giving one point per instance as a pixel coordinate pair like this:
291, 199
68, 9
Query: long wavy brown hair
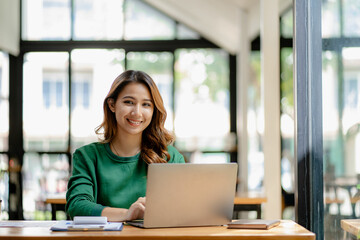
155, 138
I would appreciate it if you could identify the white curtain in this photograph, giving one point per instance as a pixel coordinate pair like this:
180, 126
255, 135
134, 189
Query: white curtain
10, 26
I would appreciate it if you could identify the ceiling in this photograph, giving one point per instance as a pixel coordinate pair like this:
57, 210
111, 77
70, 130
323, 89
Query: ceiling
217, 20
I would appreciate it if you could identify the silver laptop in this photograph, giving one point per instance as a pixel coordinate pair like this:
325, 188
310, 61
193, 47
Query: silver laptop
184, 195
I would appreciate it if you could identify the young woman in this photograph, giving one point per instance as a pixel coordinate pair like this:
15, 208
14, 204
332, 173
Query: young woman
109, 177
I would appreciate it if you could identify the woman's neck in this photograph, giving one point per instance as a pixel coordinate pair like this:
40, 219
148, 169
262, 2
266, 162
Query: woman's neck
126, 145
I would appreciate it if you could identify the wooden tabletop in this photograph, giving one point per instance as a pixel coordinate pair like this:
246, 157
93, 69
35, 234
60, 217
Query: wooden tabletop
351, 226
250, 198
286, 230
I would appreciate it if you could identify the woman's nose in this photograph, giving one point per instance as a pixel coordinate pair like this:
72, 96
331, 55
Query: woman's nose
136, 110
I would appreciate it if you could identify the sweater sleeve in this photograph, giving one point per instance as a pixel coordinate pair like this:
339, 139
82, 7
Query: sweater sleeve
82, 186
175, 156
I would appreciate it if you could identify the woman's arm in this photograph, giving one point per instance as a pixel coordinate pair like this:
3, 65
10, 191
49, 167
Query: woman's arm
136, 211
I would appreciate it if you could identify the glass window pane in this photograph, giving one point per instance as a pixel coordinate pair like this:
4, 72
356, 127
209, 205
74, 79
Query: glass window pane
287, 24
144, 22
159, 66
43, 176
199, 157
330, 19
4, 186
184, 32
351, 18
202, 100
93, 71
45, 108
341, 134
287, 121
351, 91
4, 101
98, 19
46, 20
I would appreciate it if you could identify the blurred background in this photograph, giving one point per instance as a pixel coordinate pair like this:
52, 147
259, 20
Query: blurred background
72, 50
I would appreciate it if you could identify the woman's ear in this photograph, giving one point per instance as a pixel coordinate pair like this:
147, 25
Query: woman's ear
111, 104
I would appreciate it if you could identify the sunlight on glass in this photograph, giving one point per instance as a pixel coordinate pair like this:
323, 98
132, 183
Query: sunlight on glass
4, 101
45, 94
198, 157
351, 11
351, 111
330, 95
184, 32
93, 71
202, 100
330, 19
46, 19
351, 114
98, 19
144, 22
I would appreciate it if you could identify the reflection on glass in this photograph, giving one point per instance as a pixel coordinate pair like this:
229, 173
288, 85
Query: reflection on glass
144, 22
45, 107
202, 100
351, 13
4, 101
43, 176
98, 19
4, 186
93, 71
46, 19
330, 26
158, 65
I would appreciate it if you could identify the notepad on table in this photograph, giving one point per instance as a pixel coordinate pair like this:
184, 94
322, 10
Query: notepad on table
87, 224
253, 224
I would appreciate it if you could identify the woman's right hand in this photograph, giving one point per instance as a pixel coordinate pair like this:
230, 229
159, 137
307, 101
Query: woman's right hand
136, 210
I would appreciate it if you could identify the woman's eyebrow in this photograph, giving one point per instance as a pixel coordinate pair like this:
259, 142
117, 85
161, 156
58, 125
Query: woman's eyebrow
131, 97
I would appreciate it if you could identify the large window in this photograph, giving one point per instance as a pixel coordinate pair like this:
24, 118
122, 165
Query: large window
65, 83
341, 110
341, 113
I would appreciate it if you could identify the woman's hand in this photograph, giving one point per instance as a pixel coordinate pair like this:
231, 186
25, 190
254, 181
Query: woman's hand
136, 210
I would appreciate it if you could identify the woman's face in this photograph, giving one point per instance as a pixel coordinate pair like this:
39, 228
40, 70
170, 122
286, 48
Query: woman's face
133, 109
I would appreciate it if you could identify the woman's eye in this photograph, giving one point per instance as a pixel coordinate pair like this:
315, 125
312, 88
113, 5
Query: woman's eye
128, 102
147, 104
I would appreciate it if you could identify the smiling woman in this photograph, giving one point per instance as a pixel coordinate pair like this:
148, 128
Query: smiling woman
109, 177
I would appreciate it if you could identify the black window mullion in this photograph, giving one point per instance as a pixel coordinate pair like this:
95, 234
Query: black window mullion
16, 143
68, 152
309, 203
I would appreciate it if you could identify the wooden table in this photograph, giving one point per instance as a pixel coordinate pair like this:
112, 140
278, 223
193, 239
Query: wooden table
242, 202
57, 203
249, 202
286, 230
351, 227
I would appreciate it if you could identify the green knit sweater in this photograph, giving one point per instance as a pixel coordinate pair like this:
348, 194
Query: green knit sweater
102, 179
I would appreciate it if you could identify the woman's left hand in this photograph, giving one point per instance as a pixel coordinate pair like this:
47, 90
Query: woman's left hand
136, 210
